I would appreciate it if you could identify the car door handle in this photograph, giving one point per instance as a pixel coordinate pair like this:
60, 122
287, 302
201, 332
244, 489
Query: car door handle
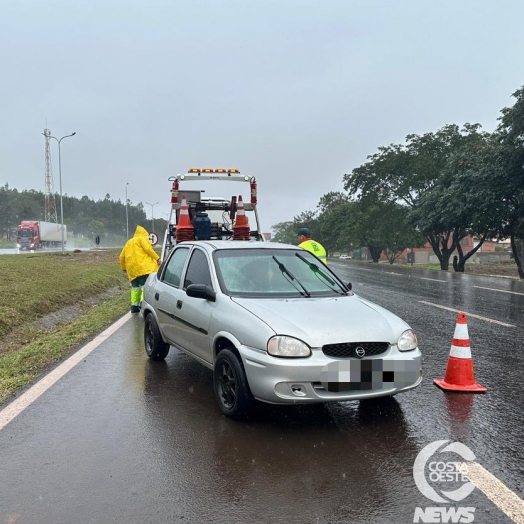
157, 296
179, 304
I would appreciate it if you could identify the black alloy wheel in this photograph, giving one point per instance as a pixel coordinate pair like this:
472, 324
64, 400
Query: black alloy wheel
231, 387
156, 348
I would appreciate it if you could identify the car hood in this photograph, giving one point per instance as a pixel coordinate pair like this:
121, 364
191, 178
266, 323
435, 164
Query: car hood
330, 320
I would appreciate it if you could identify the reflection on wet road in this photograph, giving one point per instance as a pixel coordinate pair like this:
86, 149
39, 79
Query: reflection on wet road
122, 439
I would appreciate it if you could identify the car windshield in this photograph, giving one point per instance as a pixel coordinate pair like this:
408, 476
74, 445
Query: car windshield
274, 273
25, 233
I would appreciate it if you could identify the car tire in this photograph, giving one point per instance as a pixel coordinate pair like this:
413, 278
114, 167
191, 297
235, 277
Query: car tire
156, 348
230, 384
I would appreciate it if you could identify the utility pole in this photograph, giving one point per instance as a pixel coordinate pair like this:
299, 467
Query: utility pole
127, 216
50, 202
59, 140
152, 216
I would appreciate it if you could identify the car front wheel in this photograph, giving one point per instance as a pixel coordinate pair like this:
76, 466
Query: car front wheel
156, 348
231, 387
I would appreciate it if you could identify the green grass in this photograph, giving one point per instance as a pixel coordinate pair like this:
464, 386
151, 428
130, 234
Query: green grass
22, 366
34, 285
504, 269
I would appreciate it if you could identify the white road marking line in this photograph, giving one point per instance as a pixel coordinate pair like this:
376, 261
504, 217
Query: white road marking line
433, 279
26, 399
471, 315
500, 290
507, 501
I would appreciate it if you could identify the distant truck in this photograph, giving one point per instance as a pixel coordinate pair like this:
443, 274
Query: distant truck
35, 234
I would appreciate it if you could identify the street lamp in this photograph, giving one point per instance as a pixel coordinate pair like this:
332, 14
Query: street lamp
152, 216
127, 217
60, 177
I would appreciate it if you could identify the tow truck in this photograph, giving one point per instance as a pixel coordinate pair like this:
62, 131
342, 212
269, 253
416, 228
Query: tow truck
211, 218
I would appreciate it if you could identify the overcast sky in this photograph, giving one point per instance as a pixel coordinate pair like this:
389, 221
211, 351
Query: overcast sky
294, 92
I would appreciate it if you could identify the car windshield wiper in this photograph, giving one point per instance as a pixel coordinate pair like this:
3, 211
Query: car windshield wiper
319, 273
292, 279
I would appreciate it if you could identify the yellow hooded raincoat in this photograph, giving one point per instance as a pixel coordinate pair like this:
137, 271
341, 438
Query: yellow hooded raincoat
138, 256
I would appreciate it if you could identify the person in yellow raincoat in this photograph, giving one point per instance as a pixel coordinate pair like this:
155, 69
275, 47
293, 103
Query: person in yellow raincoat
138, 259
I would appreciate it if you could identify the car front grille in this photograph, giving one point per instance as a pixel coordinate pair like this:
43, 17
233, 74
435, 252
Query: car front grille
348, 349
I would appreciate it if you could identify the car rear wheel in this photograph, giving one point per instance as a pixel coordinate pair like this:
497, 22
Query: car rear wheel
231, 387
156, 348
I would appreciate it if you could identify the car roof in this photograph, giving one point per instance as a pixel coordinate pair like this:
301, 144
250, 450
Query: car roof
214, 245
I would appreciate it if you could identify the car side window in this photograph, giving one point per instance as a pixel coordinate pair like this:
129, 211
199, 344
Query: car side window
175, 266
198, 270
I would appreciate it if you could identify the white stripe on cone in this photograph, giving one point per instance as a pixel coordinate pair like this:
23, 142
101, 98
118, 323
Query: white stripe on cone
460, 352
240, 207
461, 333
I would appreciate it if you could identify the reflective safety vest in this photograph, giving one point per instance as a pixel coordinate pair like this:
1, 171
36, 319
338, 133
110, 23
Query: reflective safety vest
315, 248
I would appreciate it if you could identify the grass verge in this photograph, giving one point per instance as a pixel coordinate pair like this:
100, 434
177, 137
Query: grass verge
508, 269
22, 366
38, 283
53, 304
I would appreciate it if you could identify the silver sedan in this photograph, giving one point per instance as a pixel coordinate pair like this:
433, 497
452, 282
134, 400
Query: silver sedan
276, 325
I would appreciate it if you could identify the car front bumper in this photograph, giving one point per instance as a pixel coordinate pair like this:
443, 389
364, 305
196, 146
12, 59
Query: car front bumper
319, 378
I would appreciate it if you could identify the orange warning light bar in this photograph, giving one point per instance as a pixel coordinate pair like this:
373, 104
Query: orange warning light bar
194, 170
235, 171
220, 170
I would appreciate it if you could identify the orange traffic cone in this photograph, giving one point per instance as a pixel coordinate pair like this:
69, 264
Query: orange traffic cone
241, 225
184, 228
459, 371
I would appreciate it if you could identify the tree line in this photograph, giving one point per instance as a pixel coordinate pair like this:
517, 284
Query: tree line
437, 188
84, 217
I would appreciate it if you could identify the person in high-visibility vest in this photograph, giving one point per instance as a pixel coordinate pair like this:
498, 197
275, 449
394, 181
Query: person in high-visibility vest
138, 259
305, 242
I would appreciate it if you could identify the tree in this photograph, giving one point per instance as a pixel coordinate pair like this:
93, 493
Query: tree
284, 232
498, 170
336, 222
97, 228
450, 211
383, 227
83, 216
408, 173
508, 171
397, 231
462, 198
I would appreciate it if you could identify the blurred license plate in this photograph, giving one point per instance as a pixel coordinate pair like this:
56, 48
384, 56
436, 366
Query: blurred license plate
368, 375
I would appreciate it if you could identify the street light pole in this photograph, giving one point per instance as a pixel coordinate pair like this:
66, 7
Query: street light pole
152, 216
60, 177
127, 217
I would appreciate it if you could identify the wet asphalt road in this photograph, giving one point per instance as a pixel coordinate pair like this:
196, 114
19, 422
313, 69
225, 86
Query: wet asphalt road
121, 439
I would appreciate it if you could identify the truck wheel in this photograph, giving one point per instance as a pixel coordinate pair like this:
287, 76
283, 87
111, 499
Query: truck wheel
231, 387
156, 348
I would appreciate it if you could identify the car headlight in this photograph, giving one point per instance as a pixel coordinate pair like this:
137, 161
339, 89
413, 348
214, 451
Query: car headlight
282, 346
407, 341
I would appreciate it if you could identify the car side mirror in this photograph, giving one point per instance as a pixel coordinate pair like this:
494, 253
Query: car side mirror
201, 291
348, 285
